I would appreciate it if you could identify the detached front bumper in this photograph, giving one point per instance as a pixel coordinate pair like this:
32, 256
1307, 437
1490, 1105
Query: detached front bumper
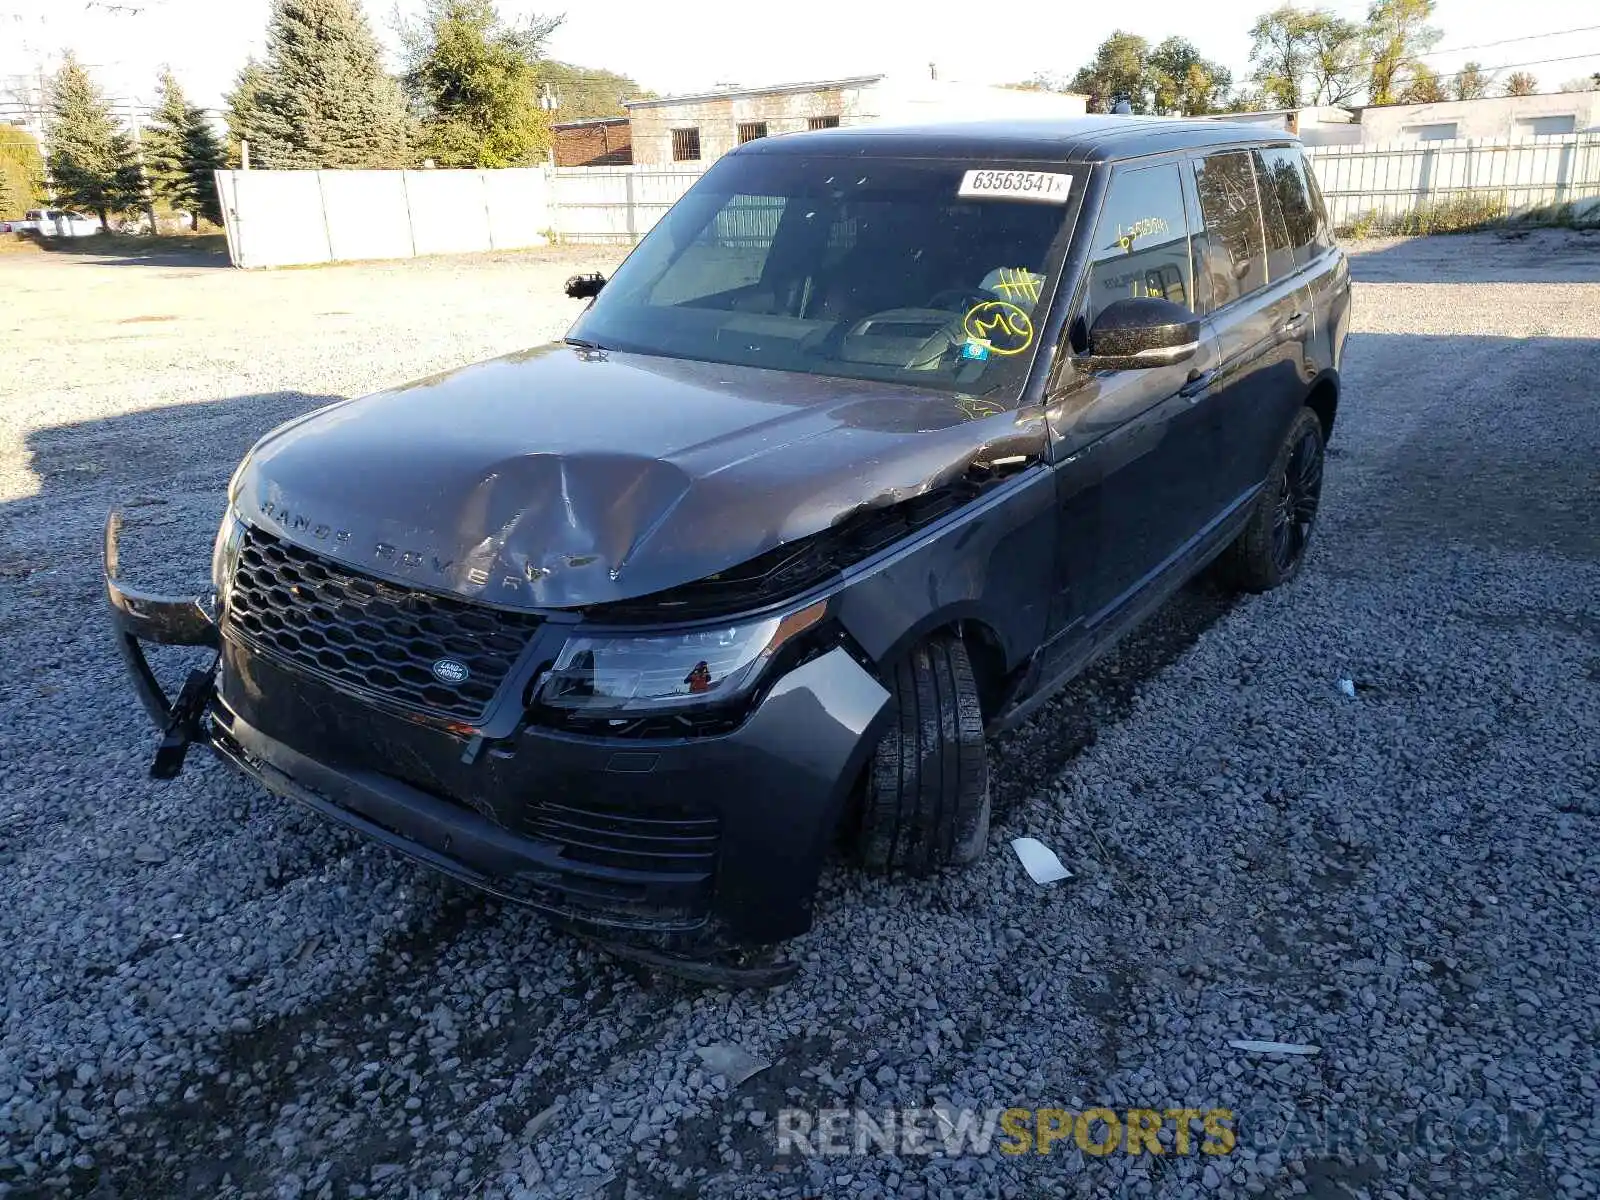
676, 848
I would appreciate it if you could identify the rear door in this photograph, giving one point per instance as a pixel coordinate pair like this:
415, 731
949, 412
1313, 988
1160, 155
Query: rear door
1131, 447
1259, 311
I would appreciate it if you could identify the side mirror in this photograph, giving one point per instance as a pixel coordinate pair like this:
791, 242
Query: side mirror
1142, 331
585, 287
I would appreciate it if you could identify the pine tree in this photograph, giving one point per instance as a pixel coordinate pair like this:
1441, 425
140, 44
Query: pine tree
325, 100
92, 162
181, 152
244, 109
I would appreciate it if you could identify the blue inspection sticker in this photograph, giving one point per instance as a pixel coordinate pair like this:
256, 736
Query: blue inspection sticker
975, 350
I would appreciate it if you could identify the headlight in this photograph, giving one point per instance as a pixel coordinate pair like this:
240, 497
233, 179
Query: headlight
632, 673
225, 554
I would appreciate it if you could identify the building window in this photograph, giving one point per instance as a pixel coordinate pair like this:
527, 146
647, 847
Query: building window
1443, 132
823, 123
685, 145
749, 131
1546, 126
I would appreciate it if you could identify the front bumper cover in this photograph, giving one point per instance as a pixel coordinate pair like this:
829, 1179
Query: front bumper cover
774, 787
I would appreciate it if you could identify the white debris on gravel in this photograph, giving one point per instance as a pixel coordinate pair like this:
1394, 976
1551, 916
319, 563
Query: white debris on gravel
1253, 1046
731, 1061
1039, 861
1254, 854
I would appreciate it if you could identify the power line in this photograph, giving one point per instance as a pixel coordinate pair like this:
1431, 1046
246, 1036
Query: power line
1537, 62
1359, 66
1531, 37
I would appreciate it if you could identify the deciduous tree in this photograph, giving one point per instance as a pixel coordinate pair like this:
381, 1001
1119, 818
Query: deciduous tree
584, 92
1471, 82
1305, 57
22, 169
1335, 67
92, 162
1118, 71
1397, 31
1180, 81
1423, 86
182, 153
1280, 54
11, 202
324, 99
1521, 83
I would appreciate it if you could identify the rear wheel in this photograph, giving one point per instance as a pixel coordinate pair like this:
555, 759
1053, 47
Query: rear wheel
1273, 545
926, 802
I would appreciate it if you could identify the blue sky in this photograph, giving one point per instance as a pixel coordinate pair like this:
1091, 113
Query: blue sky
688, 45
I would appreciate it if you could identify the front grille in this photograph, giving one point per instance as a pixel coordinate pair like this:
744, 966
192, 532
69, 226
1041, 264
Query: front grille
374, 637
681, 842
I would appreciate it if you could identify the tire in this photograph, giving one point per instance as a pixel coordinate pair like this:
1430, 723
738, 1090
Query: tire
926, 801
1268, 553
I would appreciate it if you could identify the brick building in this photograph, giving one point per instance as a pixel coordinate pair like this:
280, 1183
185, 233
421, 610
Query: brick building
699, 128
599, 142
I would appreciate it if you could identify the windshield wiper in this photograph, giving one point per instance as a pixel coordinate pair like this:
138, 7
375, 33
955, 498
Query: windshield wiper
583, 343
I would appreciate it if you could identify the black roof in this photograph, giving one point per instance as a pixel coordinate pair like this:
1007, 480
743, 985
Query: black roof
1069, 139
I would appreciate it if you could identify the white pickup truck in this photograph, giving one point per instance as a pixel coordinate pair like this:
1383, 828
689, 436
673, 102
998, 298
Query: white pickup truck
53, 222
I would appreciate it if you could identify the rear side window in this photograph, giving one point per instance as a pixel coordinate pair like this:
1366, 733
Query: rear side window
1283, 178
1324, 237
1234, 252
1280, 250
1141, 245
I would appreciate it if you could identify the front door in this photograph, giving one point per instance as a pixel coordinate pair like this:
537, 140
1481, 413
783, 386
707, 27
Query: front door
1131, 448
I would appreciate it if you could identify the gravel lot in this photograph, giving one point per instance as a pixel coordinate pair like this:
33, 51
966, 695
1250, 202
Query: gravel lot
208, 994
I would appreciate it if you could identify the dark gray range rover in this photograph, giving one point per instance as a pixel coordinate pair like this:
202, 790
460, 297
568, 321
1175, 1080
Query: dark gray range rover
876, 438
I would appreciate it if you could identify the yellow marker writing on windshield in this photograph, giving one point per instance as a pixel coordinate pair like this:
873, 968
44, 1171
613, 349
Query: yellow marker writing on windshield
1001, 325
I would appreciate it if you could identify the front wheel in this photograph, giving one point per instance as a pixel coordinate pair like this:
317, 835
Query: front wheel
926, 802
1269, 552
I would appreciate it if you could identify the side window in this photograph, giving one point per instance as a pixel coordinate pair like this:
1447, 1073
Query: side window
1141, 245
728, 253
1235, 253
1324, 238
1283, 173
1280, 248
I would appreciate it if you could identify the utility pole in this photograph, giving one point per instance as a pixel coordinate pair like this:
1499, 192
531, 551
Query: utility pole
145, 191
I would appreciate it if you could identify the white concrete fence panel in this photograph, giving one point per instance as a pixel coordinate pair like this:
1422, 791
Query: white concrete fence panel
279, 218
288, 218
1526, 175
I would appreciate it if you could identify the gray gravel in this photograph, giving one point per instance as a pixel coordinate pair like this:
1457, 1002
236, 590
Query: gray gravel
208, 994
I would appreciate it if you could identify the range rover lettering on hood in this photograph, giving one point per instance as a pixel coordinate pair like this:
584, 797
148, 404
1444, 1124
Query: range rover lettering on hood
423, 563
554, 478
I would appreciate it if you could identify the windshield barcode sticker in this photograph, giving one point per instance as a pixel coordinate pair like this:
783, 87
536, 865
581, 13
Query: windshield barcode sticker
1048, 187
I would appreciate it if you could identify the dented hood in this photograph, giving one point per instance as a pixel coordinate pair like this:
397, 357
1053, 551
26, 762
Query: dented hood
565, 477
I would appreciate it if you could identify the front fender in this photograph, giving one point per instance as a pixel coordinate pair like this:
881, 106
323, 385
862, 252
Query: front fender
993, 562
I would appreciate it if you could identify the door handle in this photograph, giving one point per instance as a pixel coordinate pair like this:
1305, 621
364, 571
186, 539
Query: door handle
1196, 384
1294, 325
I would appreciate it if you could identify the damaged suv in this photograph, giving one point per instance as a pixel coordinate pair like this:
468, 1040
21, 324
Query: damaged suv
878, 437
